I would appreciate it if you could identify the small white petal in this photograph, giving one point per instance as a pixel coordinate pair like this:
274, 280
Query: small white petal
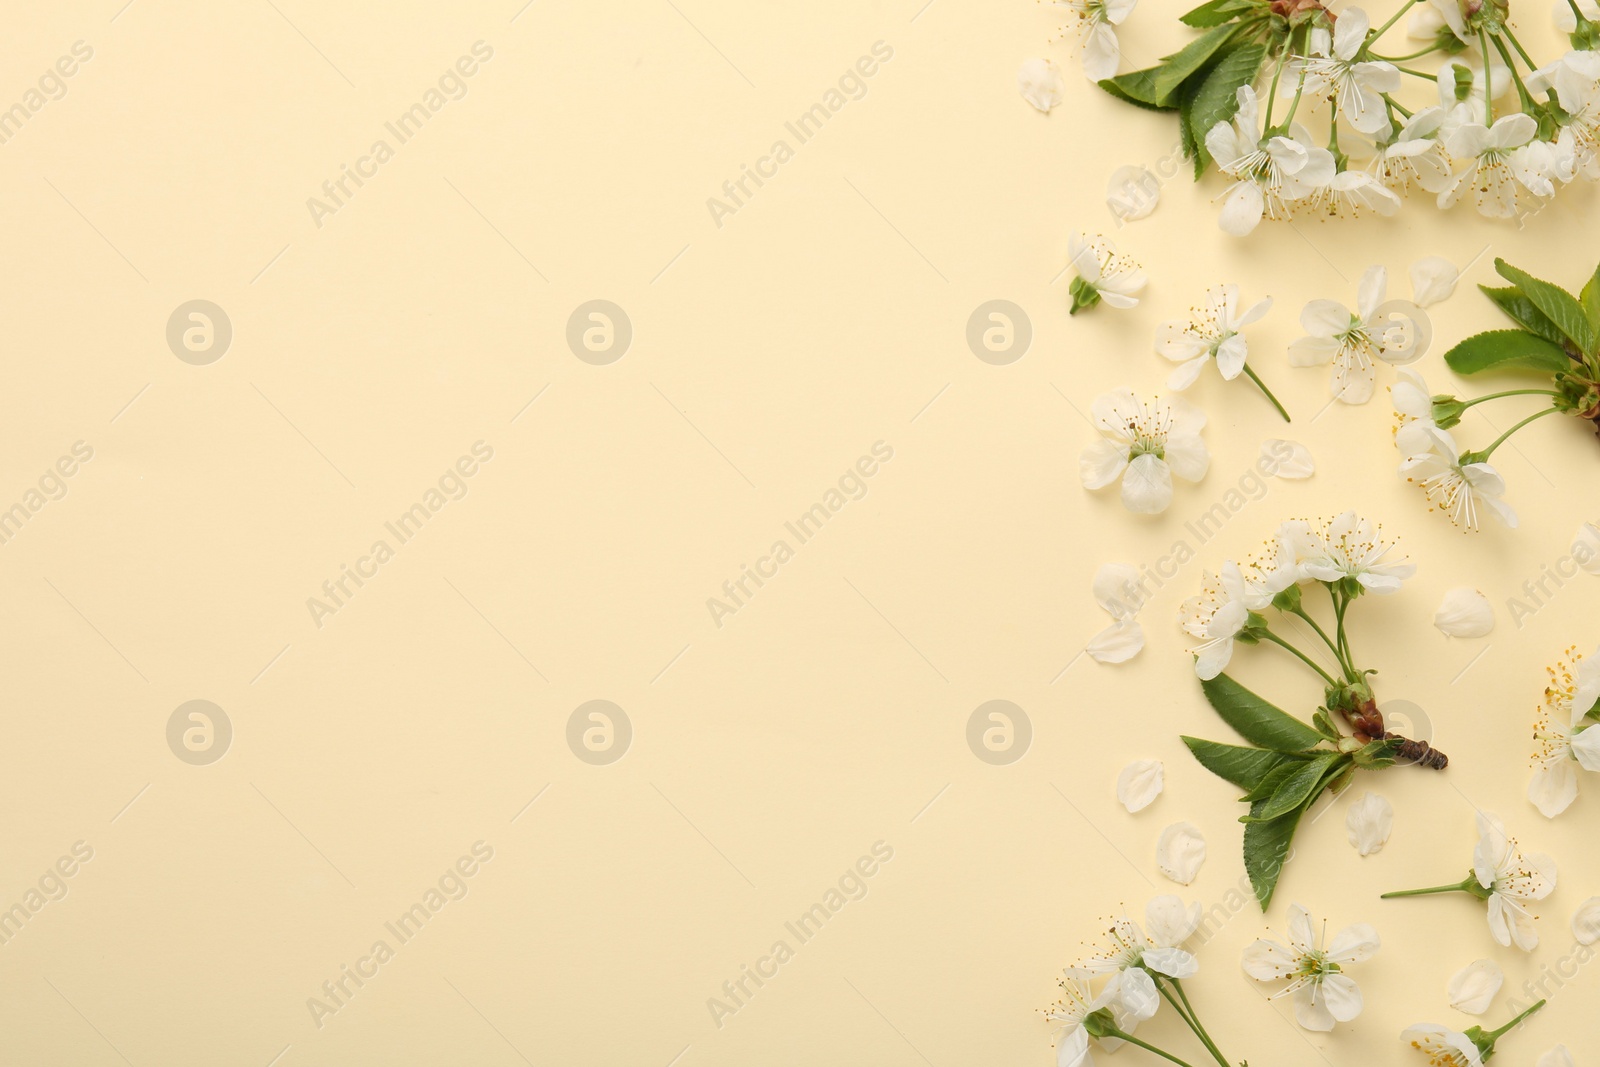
1433, 279
1586, 922
1288, 459
1117, 643
1369, 823
1473, 988
1464, 612
1556, 1057
1139, 784
1132, 193
1180, 852
1040, 83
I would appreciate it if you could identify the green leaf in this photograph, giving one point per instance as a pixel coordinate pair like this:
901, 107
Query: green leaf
1138, 87
1272, 780
1297, 789
1524, 314
1215, 96
1561, 306
1176, 68
1507, 350
1266, 851
1214, 13
1590, 299
1245, 767
1256, 720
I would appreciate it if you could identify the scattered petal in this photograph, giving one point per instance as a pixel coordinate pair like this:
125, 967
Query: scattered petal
1586, 922
1180, 852
1039, 81
1117, 643
1556, 1057
1116, 590
1473, 988
1433, 279
1139, 784
1288, 459
1369, 823
1464, 612
1132, 193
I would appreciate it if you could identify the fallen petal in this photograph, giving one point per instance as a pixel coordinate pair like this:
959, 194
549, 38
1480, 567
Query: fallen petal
1132, 193
1586, 922
1433, 279
1180, 852
1288, 459
1473, 988
1139, 784
1040, 83
1464, 612
1556, 1057
1117, 643
1369, 823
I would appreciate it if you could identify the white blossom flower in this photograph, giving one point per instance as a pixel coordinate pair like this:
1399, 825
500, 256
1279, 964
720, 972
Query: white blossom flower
1139, 784
1586, 922
1217, 615
1464, 492
1443, 1046
1349, 547
1290, 460
1094, 21
1103, 274
1462, 87
1078, 1002
1473, 988
1433, 279
1417, 154
1437, 15
1118, 592
1351, 192
1180, 851
1413, 401
1512, 881
1137, 952
1145, 444
1039, 82
1563, 736
1464, 612
1500, 159
1575, 77
1210, 332
1566, 21
1270, 174
1335, 69
1323, 993
1351, 341
1368, 823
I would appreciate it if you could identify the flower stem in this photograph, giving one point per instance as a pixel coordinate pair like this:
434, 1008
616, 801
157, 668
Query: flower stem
1254, 377
1488, 78
1523, 52
1495, 1035
1381, 30
1486, 453
1401, 59
1275, 639
1338, 654
1198, 1027
1272, 93
1340, 605
1523, 96
1130, 1039
1510, 392
1294, 105
1459, 887
1417, 73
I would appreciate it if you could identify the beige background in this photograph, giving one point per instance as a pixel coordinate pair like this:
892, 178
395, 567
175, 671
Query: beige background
768, 354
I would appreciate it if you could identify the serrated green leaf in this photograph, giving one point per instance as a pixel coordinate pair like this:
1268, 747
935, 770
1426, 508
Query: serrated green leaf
1214, 13
1256, 720
1266, 851
1273, 779
1560, 306
1215, 96
1507, 350
1138, 87
1523, 313
1176, 68
1245, 767
1590, 299
1297, 789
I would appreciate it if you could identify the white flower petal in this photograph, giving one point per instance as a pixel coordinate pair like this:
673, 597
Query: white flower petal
1433, 279
1553, 788
1116, 590
1180, 852
1102, 463
1341, 997
1464, 612
1169, 922
1556, 1057
1139, 784
1147, 485
1268, 961
1586, 922
1473, 988
1132, 193
1040, 83
1117, 643
1288, 459
1311, 1011
1369, 822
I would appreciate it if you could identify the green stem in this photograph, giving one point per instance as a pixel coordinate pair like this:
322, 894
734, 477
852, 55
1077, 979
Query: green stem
1486, 453
1401, 59
1397, 105
1337, 652
1198, 1027
1495, 1035
1294, 105
1417, 73
1459, 887
1381, 30
1510, 392
1272, 93
1254, 377
1523, 52
1130, 1039
1340, 605
1488, 79
1275, 639
1522, 90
